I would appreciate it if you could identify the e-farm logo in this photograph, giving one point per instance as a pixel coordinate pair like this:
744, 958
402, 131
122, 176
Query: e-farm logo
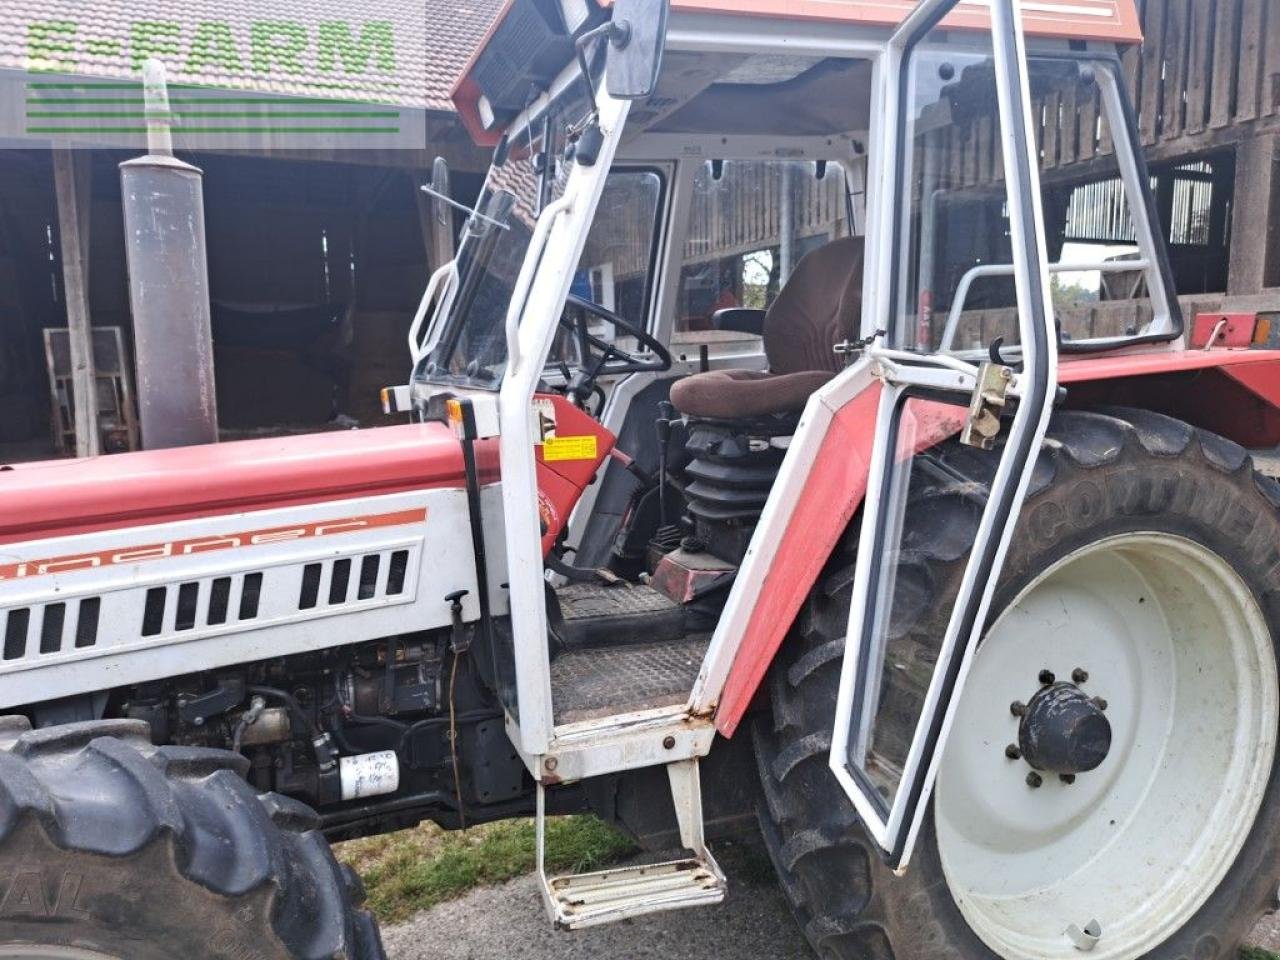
267, 78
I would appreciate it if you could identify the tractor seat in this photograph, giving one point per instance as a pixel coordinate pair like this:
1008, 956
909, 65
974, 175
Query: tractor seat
820, 306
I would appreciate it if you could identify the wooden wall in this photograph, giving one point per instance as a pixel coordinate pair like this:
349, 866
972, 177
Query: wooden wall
742, 211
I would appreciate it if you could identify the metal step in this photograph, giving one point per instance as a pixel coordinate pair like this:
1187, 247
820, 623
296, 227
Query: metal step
590, 899
583, 900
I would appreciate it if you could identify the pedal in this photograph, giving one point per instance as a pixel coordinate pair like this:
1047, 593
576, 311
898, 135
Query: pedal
589, 899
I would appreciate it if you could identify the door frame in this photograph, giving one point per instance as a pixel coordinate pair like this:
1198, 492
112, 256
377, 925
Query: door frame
895, 826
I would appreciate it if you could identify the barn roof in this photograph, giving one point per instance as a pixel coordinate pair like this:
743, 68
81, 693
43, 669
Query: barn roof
405, 53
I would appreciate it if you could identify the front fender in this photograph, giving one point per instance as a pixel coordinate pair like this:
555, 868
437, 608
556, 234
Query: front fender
824, 479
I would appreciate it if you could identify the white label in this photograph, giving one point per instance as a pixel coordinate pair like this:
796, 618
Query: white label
369, 774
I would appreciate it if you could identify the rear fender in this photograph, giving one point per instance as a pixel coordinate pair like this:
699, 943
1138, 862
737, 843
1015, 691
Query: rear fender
1235, 393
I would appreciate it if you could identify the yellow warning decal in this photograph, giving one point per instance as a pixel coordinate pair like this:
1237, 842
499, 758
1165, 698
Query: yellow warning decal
570, 448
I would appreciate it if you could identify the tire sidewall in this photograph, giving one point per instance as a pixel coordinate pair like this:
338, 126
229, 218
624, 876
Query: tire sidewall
1208, 506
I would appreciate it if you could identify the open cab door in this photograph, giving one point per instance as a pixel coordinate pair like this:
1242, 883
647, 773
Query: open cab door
907, 651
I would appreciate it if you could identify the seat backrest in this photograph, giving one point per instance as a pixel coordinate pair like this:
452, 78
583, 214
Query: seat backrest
819, 306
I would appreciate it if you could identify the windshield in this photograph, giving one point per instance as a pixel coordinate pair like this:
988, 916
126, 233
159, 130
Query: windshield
472, 348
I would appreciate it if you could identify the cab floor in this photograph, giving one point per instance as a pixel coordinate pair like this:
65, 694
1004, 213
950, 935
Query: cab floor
587, 684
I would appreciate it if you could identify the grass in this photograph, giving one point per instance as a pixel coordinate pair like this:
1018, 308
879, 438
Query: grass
1257, 953
413, 869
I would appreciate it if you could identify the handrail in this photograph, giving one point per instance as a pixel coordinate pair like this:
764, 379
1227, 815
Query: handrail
1006, 270
417, 345
524, 281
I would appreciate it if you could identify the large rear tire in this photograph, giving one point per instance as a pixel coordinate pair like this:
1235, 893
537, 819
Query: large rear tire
1121, 498
114, 849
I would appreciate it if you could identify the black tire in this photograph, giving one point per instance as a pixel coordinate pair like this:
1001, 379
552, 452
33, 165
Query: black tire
1099, 474
112, 845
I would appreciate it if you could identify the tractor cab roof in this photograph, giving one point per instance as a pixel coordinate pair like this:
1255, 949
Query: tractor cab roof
532, 41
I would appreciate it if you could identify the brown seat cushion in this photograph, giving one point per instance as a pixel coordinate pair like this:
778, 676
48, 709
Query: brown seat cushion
735, 394
820, 306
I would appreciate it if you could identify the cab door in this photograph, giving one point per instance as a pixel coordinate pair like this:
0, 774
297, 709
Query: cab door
959, 173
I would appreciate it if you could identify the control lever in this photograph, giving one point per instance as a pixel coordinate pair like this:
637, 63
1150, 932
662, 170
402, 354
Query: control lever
663, 425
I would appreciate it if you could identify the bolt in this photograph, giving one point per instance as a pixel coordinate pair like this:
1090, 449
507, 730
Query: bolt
1079, 675
1012, 752
1047, 677
668, 743
1033, 780
1067, 778
1099, 703
1017, 708
550, 764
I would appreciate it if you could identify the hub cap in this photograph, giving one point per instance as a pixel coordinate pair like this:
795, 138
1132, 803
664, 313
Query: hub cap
1117, 800
1063, 731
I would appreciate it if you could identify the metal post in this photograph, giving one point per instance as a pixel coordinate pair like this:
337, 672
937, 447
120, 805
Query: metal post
72, 224
786, 225
168, 285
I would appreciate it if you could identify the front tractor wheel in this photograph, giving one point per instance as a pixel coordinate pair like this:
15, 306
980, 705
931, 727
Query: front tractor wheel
1109, 781
114, 849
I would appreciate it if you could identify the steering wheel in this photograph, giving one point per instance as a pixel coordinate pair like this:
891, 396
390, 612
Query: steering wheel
599, 354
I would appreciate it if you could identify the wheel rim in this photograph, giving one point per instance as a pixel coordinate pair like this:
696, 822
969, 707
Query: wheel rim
1173, 641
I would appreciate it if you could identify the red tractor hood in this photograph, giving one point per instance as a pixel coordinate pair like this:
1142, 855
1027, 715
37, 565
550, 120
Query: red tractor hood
61, 497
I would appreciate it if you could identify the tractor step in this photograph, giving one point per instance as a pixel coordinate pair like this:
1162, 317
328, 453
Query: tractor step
590, 899
606, 896
599, 682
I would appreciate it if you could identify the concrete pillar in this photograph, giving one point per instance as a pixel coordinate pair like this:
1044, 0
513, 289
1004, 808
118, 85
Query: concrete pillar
1255, 235
71, 185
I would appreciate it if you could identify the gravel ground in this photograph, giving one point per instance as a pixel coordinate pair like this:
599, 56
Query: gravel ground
507, 923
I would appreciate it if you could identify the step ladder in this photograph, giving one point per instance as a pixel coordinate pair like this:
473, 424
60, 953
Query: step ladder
581, 900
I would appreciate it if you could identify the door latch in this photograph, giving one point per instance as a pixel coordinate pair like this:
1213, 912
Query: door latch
982, 425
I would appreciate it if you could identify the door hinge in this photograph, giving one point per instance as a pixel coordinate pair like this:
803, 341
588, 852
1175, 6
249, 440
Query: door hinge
982, 425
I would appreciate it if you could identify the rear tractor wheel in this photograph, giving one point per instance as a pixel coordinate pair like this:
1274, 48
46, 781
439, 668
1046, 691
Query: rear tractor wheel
1109, 782
114, 849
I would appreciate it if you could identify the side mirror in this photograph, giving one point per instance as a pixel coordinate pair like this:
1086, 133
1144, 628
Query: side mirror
637, 37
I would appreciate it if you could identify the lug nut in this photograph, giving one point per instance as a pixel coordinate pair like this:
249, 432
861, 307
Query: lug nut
1047, 677
1033, 780
1017, 708
1099, 703
1079, 675
1067, 778
1012, 752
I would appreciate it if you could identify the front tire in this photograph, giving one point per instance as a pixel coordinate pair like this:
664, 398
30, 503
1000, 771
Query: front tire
114, 849
1105, 484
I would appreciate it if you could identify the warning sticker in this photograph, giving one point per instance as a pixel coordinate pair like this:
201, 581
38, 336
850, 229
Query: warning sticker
570, 448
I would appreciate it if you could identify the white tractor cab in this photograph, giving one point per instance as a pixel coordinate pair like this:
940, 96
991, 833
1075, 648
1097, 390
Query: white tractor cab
753, 290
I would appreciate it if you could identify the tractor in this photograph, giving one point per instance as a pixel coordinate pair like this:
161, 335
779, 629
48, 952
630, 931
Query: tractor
783, 456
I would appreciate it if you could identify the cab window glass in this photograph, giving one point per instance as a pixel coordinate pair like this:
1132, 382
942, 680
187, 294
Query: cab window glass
750, 222
615, 268
956, 292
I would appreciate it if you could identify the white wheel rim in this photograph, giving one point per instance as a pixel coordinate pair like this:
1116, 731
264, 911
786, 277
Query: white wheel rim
1174, 641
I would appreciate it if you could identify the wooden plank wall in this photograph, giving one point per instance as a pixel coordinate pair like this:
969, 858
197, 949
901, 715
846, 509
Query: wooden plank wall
740, 212
1207, 75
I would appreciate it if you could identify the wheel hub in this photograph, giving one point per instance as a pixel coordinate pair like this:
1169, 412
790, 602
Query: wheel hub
1063, 731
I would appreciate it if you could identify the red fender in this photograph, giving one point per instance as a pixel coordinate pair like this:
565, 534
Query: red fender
1233, 392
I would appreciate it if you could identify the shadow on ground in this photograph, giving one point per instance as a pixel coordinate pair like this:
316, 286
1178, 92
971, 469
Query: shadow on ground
507, 922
